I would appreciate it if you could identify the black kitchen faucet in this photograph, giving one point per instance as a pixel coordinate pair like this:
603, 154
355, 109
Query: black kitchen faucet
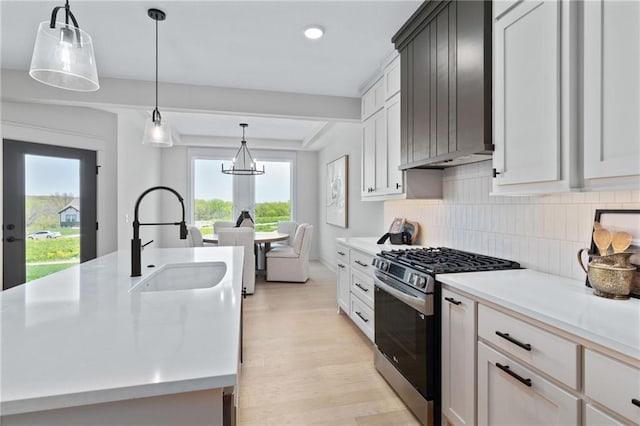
136, 243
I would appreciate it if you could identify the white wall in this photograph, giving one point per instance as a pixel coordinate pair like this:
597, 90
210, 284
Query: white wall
540, 232
307, 200
74, 127
138, 170
365, 219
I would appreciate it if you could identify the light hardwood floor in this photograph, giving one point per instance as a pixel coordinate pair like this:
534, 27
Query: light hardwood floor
306, 364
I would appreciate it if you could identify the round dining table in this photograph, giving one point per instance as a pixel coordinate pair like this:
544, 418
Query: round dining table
265, 238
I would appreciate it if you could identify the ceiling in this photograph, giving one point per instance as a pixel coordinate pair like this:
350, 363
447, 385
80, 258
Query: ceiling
237, 44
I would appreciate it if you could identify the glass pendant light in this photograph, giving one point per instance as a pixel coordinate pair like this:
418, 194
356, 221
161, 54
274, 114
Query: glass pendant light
63, 54
243, 162
157, 132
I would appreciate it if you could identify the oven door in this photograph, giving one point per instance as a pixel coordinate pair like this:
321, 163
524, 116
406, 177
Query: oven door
406, 332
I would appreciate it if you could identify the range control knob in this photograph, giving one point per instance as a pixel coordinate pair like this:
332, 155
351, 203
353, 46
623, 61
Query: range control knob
422, 281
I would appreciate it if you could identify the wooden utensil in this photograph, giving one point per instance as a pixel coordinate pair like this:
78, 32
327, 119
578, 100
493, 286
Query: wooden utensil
602, 239
596, 226
621, 241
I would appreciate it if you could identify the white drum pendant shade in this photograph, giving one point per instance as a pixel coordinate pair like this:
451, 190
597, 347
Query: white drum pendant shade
63, 57
157, 134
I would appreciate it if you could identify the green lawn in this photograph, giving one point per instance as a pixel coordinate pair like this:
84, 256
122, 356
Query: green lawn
38, 271
52, 249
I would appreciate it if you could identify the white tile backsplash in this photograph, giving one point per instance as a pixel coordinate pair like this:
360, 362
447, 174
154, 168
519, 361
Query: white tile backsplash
543, 232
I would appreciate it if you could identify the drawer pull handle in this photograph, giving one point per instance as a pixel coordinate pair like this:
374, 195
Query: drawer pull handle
361, 263
361, 287
360, 315
519, 378
636, 402
452, 300
340, 265
341, 253
506, 336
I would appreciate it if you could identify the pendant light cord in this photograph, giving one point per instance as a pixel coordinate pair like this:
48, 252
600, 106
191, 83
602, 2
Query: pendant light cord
156, 64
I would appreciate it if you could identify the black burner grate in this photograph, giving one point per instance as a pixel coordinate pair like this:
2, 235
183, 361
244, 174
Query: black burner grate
440, 260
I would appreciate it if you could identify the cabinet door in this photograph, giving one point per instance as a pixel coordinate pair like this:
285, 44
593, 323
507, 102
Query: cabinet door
406, 105
527, 93
343, 291
394, 176
611, 88
368, 178
380, 134
510, 394
420, 109
458, 358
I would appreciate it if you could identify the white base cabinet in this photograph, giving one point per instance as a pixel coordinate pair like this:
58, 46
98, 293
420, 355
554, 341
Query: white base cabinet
342, 277
511, 394
500, 368
355, 287
458, 358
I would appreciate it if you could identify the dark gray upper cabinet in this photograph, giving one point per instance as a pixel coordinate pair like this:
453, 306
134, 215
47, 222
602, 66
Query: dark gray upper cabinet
445, 52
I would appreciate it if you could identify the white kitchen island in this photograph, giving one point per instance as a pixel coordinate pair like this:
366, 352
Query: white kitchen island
80, 347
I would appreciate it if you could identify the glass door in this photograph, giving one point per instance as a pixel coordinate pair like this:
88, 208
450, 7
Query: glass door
49, 210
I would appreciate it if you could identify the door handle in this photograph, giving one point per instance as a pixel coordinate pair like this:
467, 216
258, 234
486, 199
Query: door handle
12, 239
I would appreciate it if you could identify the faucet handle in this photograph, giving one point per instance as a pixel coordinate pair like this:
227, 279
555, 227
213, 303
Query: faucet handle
146, 244
183, 230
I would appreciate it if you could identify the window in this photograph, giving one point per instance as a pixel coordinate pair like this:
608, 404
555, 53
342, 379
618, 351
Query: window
71, 217
216, 196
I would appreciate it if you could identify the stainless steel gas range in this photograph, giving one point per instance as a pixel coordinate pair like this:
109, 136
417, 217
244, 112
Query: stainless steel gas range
407, 319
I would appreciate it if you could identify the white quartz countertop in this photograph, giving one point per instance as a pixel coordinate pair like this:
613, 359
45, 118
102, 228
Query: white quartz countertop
368, 244
81, 337
563, 303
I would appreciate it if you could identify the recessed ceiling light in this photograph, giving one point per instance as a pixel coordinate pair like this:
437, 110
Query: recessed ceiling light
314, 32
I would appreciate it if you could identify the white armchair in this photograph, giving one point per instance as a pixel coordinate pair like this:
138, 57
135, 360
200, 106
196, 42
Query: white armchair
243, 237
288, 228
291, 263
194, 237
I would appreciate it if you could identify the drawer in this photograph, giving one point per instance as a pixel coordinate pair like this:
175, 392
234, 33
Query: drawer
545, 351
362, 262
362, 286
362, 315
595, 417
342, 254
612, 383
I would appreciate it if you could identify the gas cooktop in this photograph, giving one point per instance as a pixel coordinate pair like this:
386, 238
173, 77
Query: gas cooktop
441, 260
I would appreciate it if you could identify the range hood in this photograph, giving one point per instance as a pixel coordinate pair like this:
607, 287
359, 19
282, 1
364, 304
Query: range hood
458, 160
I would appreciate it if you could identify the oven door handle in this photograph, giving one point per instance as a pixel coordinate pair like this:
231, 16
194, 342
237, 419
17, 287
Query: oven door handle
420, 304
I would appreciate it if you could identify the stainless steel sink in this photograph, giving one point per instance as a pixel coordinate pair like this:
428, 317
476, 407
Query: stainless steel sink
182, 276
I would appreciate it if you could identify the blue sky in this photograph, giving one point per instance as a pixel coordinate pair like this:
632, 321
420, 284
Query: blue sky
211, 183
51, 175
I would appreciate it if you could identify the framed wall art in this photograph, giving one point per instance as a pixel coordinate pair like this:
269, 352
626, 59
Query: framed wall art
622, 221
337, 192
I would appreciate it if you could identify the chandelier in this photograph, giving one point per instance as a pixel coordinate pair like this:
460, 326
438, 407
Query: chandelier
243, 162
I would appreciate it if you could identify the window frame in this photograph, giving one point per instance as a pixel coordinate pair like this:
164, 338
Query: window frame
226, 154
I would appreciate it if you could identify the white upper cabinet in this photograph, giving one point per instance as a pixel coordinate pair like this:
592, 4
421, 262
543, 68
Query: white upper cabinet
373, 100
381, 126
394, 175
611, 89
535, 121
392, 79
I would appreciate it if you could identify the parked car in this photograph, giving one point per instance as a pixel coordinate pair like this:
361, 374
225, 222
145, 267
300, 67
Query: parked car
44, 234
